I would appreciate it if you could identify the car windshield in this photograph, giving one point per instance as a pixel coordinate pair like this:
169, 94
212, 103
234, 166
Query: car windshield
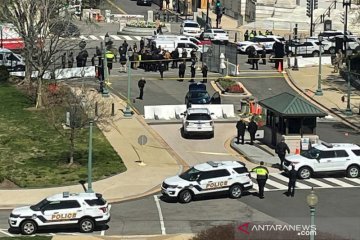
192, 25
198, 94
39, 205
190, 175
198, 116
312, 153
219, 31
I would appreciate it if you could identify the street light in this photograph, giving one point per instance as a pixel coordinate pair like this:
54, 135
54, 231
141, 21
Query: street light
319, 91
105, 91
346, 4
91, 115
348, 110
312, 200
127, 112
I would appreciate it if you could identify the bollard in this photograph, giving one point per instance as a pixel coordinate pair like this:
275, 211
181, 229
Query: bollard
112, 109
96, 109
167, 16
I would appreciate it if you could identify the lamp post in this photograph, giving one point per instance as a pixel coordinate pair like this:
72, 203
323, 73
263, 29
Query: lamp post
312, 200
346, 4
207, 14
348, 110
1, 36
127, 112
89, 169
319, 91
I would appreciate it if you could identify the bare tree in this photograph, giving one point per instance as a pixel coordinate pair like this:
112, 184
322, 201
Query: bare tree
37, 22
80, 103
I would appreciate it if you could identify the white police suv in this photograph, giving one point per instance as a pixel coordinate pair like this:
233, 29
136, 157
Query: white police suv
198, 121
83, 210
326, 158
210, 177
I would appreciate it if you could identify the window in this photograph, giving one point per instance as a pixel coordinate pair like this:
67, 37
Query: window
192, 25
1, 57
199, 117
96, 202
69, 204
219, 31
181, 45
54, 205
341, 153
327, 154
190, 175
308, 44
214, 174
241, 170
356, 152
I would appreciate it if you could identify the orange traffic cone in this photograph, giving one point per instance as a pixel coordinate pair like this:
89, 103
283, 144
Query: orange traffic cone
297, 151
280, 67
252, 107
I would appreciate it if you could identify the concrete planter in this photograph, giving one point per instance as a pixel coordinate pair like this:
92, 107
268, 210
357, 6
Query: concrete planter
245, 94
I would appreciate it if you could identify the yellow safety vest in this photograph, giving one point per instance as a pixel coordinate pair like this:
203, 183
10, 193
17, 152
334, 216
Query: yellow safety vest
109, 55
260, 171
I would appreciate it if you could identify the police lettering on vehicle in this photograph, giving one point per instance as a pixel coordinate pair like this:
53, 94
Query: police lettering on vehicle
63, 216
216, 184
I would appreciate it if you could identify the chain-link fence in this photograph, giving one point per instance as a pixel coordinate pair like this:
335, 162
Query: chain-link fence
212, 55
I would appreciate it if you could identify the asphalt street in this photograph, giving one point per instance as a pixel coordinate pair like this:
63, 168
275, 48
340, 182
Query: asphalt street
337, 213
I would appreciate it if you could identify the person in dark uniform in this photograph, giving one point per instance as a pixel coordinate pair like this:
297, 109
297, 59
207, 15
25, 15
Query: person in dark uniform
262, 175
184, 54
263, 55
70, 60
292, 182
280, 150
175, 58
204, 71
241, 127
142, 44
125, 46
161, 69
246, 35
93, 60
141, 85
63, 60
193, 70
252, 128
255, 62
182, 68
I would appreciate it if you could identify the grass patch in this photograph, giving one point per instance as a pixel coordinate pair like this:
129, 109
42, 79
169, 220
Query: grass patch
34, 154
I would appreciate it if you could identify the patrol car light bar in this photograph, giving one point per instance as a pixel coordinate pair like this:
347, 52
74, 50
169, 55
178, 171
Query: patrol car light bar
328, 145
213, 164
66, 194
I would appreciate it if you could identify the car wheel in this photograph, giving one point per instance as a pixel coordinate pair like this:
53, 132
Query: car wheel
304, 173
332, 50
87, 225
353, 171
235, 191
28, 227
185, 196
315, 54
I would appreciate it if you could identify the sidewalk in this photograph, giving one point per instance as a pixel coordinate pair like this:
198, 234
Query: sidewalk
160, 237
333, 87
137, 181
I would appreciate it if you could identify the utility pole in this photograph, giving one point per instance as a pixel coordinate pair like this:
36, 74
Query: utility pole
207, 13
310, 6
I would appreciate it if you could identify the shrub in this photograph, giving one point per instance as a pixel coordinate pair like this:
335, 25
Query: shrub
226, 82
236, 88
4, 74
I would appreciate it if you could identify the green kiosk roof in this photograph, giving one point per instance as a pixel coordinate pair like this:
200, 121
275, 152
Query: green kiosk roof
288, 105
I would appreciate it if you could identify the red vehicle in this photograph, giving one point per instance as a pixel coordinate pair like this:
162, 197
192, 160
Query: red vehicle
9, 38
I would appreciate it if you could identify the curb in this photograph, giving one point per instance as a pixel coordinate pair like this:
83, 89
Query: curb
291, 82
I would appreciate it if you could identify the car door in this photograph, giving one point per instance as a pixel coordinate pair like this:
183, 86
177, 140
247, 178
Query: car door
340, 160
215, 180
324, 162
58, 212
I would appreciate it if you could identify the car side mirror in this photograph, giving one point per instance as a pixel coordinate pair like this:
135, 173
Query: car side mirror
212, 113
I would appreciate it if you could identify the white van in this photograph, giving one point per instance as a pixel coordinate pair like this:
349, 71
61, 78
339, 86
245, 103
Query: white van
174, 38
13, 62
170, 45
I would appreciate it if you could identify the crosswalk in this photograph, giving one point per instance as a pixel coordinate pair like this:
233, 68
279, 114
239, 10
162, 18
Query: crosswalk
102, 37
277, 181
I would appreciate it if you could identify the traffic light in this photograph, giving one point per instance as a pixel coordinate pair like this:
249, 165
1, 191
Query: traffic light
218, 4
316, 4
218, 7
308, 8
295, 33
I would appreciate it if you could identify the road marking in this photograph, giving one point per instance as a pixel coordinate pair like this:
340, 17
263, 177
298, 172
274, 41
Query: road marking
83, 37
115, 37
285, 179
339, 182
102, 37
355, 180
102, 233
127, 38
93, 37
162, 225
317, 182
276, 184
115, 6
137, 38
6, 233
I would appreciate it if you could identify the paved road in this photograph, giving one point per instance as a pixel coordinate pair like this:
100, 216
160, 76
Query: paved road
337, 213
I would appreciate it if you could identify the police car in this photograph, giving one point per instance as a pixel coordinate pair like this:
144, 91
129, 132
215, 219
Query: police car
210, 177
83, 210
198, 121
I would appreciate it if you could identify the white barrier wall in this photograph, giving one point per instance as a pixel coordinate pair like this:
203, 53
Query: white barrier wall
168, 112
310, 61
64, 73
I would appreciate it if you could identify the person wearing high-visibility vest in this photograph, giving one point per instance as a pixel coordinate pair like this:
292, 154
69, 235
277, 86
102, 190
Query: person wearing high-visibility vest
262, 174
109, 58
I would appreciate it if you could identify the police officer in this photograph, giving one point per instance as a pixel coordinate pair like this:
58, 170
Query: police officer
204, 71
292, 182
246, 35
280, 150
262, 175
252, 128
182, 68
141, 85
192, 71
109, 58
241, 127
